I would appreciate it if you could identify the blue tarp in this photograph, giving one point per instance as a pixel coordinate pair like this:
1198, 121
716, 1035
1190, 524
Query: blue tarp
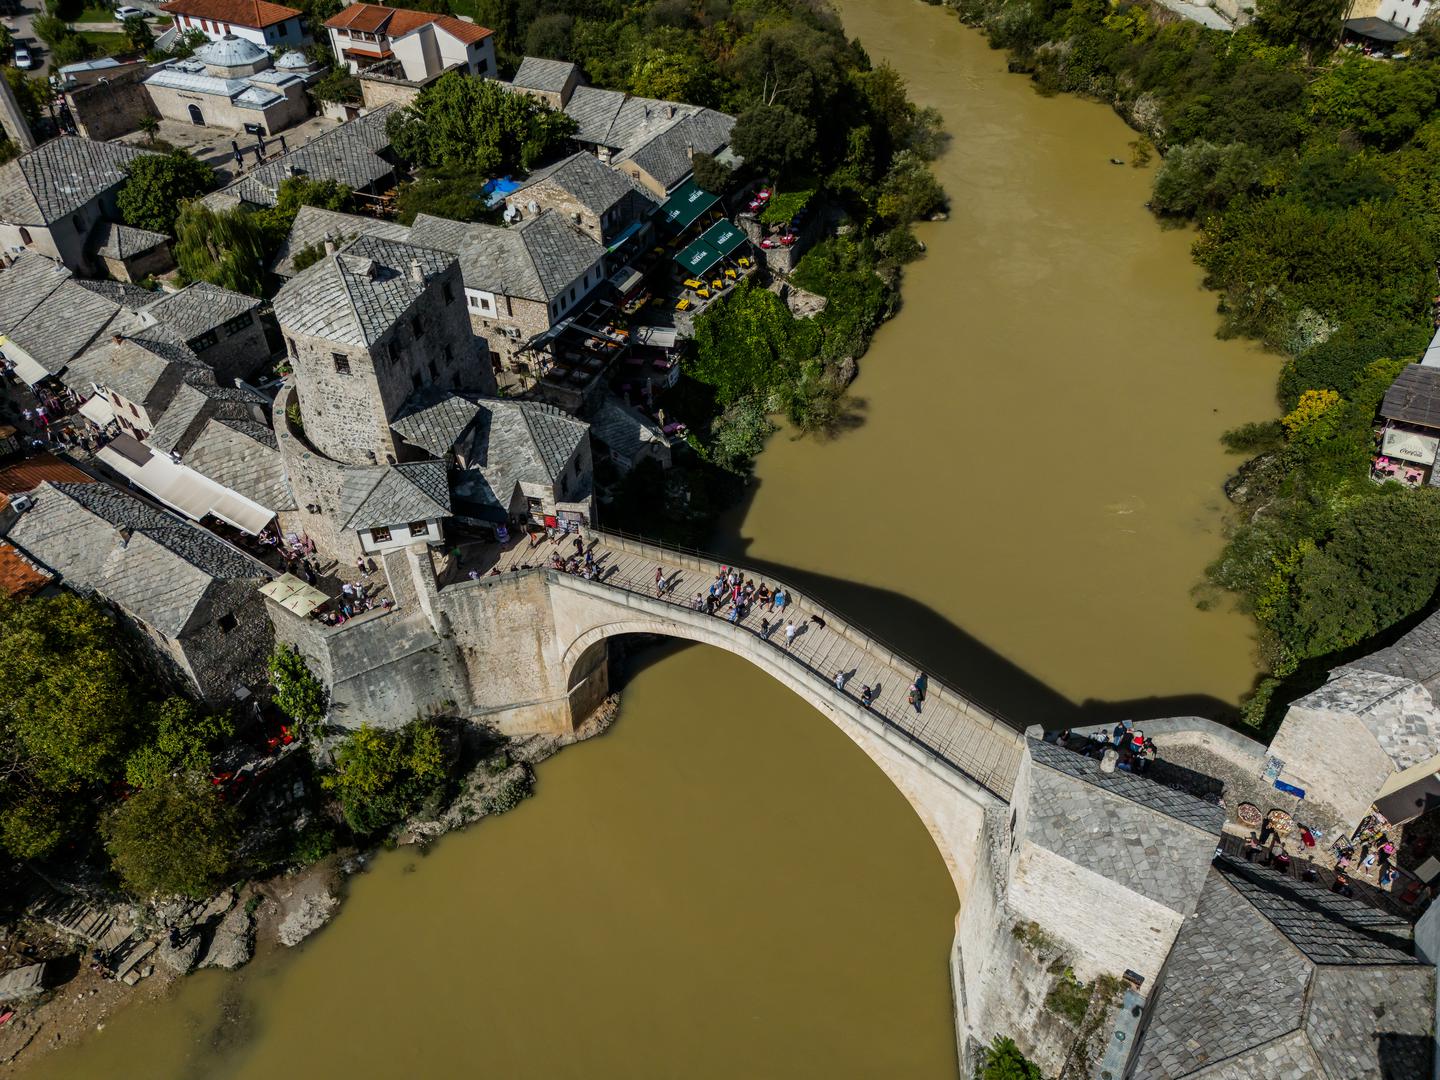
494, 191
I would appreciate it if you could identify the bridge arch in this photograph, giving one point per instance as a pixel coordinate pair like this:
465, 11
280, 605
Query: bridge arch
950, 805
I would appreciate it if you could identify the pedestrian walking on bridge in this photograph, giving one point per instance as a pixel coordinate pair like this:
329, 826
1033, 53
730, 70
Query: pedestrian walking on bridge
790, 632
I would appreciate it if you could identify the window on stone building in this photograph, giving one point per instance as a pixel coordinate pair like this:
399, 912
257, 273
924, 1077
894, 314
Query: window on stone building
226, 622
380, 536
342, 363
133, 410
25, 236
474, 301
419, 528
448, 292
416, 328
207, 340
235, 325
290, 347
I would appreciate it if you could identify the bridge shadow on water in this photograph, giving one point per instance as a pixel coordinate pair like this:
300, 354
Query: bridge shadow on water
948, 653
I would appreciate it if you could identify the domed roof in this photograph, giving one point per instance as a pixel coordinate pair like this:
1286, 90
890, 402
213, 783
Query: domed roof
292, 61
230, 51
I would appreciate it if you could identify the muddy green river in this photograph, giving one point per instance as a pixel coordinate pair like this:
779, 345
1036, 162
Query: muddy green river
723, 885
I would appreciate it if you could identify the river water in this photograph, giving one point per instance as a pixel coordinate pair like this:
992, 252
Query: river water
723, 885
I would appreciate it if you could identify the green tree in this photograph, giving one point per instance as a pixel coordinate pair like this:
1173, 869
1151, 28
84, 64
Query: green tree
298, 694
382, 776
157, 186
462, 122
138, 33
337, 84
1201, 177
712, 175
174, 837
181, 741
1002, 1060
774, 138
29, 94
1314, 25
225, 248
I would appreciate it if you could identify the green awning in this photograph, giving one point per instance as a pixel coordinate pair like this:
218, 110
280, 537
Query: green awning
698, 258
688, 203
723, 237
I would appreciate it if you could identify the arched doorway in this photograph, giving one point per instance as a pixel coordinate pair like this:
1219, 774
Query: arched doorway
195, 115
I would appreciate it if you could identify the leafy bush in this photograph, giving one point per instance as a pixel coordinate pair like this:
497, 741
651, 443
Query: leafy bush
1002, 1060
173, 837
157, 186
298, 694
383, 776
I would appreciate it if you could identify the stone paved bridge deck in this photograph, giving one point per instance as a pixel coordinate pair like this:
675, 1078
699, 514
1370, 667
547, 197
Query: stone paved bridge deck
950, 727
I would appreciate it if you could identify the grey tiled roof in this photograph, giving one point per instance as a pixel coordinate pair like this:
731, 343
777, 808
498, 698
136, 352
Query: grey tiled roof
1414, 397
1394, 708
1176, 804
348, 154
536, 260
666, 155
515, 442
434, 419
1231, 984
624, 429
595, 186
200, 307
1154, 855
131, 369
356, 295
50, 315
1415, 656
1237, 1001
243, 456
59, 177
1326, 927
195, 404
314, 225
537, 73
395, 494
120, 292
157, 567
625, 123
124, 241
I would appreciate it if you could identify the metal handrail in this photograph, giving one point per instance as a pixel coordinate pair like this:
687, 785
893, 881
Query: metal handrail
899, 654
614, 580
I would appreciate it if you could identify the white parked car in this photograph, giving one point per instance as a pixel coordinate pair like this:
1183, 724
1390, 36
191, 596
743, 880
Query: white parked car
124, 12
23, 60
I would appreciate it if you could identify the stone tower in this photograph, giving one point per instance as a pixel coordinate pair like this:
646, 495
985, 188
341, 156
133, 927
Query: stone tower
366, 327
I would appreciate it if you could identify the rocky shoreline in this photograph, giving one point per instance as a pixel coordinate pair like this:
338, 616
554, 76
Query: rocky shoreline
168, 940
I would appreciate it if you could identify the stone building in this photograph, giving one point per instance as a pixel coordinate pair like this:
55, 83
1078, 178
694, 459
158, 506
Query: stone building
649, 140
627, 437
521, 281
104, 98
1281, 979
550, 81
220, 326
514, 462
48, 318
352, 154
605, 204
229, 84
422, 44
129, 254
52, 198
272, 26
365, 328
315, 226
191, 595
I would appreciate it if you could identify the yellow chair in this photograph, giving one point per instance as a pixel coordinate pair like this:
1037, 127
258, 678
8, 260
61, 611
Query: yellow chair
683, 303
743, 261
730, 274
691, 283
704, 294
718, 283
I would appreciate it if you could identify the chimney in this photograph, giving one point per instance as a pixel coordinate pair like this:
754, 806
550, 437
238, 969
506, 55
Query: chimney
670, 112
117, 339
690, 151
416, 274
329, 247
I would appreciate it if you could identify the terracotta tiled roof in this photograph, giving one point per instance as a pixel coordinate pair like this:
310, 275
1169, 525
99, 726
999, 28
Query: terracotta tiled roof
29, 474
396, 22
252, 13
18, 575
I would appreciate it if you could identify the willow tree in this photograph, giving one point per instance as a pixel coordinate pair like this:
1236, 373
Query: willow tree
225, 248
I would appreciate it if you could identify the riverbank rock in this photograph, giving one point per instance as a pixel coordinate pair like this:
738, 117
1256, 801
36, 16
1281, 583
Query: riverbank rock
233, 943
181, 959
312, 908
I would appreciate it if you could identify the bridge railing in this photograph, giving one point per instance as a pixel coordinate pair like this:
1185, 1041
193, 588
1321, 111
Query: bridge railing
892, 712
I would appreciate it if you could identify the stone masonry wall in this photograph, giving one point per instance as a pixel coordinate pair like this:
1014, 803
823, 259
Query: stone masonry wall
238, 355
